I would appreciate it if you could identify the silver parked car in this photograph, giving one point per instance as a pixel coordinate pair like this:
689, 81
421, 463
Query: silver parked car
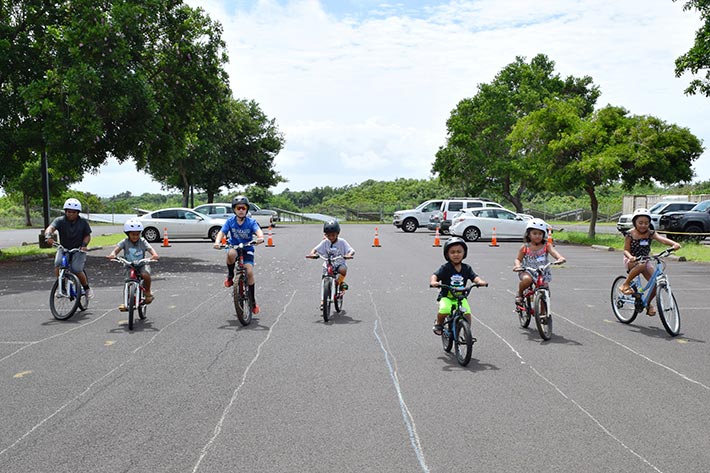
473, 224
264, 218
179, 223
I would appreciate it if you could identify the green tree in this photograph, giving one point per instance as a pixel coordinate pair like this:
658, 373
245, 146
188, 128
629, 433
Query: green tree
477, 157
698, 57
570, 150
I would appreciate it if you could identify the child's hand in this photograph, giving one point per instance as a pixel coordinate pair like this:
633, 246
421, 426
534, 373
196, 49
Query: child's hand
435, 284
154, 257
560, 261
517, 269
111, 256
676, 246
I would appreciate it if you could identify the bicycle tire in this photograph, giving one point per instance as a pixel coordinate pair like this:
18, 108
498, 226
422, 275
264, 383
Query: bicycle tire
131, 304
463, 342
524, 315
241, 301
65, 304
447, 340
83, 298
668, 310
338, 298
543, 318
623, 305
326, 299
142, 307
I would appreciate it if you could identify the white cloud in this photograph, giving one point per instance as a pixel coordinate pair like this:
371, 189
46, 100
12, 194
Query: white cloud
366, 95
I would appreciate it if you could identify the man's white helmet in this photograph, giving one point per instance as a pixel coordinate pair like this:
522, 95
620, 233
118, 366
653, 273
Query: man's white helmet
72, 204
133, 225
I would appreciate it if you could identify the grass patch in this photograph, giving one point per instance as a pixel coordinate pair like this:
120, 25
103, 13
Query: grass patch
107, 241
691, 251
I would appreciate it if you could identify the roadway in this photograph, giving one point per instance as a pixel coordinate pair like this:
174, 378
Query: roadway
191, 390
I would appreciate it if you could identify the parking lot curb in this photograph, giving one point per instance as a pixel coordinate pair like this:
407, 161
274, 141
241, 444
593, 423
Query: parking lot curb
602, 247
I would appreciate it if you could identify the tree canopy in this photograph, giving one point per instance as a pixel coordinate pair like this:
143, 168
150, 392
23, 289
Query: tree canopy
697, 59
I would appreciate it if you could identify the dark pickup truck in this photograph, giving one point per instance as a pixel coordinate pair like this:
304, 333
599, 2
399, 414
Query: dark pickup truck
695, 221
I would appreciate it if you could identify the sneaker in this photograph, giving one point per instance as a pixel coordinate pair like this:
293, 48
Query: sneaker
122, 308
344, 286
89, 293
229, 282
437, 329
255, 309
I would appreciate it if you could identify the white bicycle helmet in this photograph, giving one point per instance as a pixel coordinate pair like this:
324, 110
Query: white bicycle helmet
72, 204
537, 224
642, 212
133, 225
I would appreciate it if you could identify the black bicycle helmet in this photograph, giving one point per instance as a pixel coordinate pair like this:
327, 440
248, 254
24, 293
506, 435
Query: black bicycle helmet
240, 199
455, 241
332, 226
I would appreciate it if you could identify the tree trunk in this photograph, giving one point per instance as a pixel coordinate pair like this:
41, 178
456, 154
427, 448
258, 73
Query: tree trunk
26, 204
210, 196
595, 211
514, 199
185, 191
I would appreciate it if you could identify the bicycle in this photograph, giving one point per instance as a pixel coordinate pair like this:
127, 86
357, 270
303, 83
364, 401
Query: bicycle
456, 331
67, 295
536, 301
627, 306
240, 291
134, 290
331, 291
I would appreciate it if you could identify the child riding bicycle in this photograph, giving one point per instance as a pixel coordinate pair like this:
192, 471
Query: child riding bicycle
241, 229
452, 273
134, 248
333, 245
533, 254
74, 232
637, 246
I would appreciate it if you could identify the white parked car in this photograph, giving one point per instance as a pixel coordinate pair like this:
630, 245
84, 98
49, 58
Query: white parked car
264, 218
474, 224
180, 223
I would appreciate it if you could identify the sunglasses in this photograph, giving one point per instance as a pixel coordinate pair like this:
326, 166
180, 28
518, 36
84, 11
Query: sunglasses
240, 207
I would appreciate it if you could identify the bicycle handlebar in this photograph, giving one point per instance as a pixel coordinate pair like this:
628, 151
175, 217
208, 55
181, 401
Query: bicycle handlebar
456, 288
320, 256
120, 259
520, 269
239, 245
73, 250
660, 255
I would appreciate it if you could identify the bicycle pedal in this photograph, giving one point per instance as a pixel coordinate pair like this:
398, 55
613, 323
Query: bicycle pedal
474, 339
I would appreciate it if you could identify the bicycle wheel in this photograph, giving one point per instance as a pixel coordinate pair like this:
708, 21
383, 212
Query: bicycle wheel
83, 298
63, 301
623, 305
524, 315
463, 342
241, 301
447, 339
543, 317
142, 307
338, 298
131, 304
326, 299
668, 310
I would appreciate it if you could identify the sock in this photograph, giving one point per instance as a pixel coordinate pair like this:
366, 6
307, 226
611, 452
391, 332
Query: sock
230, 271
251, 294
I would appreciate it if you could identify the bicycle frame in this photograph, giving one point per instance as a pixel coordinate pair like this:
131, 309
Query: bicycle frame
645, 291
64, 267
329, 283
240, 291
536, 301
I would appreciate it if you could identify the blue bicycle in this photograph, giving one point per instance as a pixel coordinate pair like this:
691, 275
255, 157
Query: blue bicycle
67, 295
627, 306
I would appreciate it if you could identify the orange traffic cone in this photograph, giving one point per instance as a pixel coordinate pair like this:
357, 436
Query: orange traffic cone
494, 240
376, 242
269, 240
437, 241
224, 240
165, 238
550, 241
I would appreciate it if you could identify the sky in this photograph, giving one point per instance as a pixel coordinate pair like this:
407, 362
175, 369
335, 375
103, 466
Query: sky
362, 89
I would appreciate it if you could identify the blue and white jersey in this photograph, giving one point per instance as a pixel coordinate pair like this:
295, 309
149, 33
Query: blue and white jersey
243, 233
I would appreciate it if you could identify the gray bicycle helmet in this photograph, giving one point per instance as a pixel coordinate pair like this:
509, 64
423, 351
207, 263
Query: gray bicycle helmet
455, 241
240, 200
332, 226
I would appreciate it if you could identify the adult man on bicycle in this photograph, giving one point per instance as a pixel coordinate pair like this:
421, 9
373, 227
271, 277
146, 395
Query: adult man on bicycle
74, 232
241, 229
